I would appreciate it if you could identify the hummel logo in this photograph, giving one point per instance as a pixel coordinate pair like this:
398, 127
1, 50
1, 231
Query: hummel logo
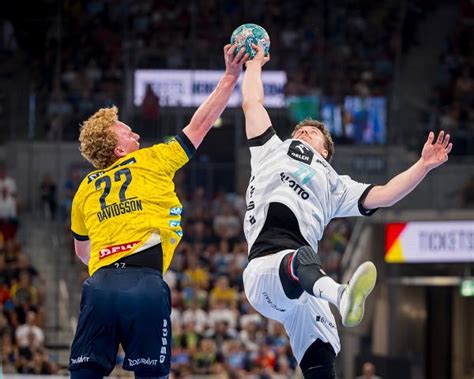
302, 148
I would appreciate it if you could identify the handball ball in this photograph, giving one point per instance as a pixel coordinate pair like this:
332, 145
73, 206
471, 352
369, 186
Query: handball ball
246, 35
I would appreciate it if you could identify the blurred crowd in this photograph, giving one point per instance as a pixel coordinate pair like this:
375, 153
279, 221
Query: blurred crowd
22, 293
452, 100
328, 49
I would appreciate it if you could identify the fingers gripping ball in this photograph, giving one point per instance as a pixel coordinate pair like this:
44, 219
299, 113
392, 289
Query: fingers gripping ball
246, 35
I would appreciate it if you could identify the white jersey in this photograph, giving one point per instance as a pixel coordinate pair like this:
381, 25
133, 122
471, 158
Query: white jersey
292, 173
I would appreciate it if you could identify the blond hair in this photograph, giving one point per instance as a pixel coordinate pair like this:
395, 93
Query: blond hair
328, 142
97, 139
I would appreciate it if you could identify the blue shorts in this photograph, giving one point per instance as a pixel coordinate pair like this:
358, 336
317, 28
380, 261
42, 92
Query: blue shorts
131, 306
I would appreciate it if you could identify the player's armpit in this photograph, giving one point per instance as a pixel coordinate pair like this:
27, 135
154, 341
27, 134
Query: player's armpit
83, 250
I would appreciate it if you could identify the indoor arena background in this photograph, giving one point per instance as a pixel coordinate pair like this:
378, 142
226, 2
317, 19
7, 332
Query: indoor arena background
379, 74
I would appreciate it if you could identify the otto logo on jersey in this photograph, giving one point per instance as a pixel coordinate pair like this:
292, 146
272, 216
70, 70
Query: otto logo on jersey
300, 152
293, 184
111, 250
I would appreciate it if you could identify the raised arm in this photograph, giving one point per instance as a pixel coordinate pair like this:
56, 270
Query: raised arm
209, 111
256, 116
432, 156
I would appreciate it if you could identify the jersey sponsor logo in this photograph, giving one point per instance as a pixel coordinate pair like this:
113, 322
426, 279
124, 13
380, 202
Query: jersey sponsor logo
269, 301
95, 175
175, 223
142, 361
179, 232
111, 250
300, 152
176, 211
114, 210
164, 340
293, 184
305, 173
80, 359
324, 321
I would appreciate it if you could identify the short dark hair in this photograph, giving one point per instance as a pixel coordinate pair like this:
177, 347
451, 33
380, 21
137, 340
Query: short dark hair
328, 144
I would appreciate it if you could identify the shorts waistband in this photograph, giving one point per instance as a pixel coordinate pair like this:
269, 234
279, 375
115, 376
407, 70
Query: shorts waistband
148, 258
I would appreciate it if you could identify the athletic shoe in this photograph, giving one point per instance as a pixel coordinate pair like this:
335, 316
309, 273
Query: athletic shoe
353, 295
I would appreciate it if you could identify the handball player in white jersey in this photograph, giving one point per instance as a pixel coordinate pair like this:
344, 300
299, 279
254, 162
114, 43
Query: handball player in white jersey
292, 195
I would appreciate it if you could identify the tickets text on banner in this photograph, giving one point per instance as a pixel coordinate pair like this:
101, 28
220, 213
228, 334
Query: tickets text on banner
429, 241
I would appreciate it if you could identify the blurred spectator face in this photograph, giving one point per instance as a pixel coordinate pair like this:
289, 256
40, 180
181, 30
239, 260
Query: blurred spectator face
37, 359
127, 141
199, 229
31, 318
207, 345
24, 279
222, 283
368, 370
23, 261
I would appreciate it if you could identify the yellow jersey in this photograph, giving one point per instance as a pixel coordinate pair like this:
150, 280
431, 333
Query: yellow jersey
132, 205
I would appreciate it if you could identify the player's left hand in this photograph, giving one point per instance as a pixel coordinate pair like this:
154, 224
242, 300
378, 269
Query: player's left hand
435, 154
233, 64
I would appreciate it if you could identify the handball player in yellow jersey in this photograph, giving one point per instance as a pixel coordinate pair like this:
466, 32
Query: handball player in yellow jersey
126, 223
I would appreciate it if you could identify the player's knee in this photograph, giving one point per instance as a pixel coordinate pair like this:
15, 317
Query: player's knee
307, 267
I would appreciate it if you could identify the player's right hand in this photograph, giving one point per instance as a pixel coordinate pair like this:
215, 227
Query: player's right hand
260, 56
233, 63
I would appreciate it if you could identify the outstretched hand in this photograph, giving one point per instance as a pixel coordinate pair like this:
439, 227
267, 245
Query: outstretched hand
233, 64
260, 56
435, 154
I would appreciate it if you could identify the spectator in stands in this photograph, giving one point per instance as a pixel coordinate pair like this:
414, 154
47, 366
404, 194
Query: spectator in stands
206, 359
223, 293
196, 315
48, 197
227, 224
10, 355
29, 335
23, 264
39, 364
368, 371
150, 107
23, 293
70, 188
6, 181
8, 214
6, 271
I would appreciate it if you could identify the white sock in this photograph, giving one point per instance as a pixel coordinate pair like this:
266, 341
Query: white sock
327, 288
